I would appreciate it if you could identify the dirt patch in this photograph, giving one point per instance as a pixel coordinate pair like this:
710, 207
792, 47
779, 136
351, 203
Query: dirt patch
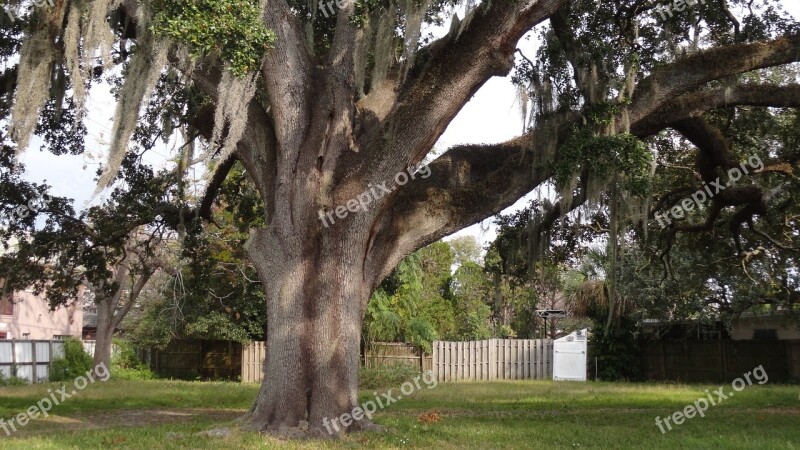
126, 418
143, 417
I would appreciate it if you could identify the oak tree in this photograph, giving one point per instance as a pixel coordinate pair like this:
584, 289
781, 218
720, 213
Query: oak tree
332, 112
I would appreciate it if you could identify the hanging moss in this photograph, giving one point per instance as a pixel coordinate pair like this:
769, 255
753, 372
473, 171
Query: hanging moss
235, 94
385, 48
141, 77
37, 59
415, 16
234, 28
98, 38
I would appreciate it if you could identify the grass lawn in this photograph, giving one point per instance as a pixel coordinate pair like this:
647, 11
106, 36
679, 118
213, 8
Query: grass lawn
516, 414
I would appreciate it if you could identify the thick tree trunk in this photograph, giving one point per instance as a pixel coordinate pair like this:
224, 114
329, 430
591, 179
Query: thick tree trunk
316, 296
105, 333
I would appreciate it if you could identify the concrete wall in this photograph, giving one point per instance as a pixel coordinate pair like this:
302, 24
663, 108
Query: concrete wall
742, 328
33, 316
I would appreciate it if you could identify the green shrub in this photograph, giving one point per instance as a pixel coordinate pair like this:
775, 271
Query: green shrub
387, 376
121, 373
125, 365
74, 363
618, 354
12, 380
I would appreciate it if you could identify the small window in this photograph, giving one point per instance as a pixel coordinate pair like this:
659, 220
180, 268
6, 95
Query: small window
26, 335
7, 305
3, 335
61, 337
770, 334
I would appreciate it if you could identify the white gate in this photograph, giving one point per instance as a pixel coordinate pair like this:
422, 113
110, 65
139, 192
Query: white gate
569, 357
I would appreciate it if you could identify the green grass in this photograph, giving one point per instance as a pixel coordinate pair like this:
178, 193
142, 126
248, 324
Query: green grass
523, 414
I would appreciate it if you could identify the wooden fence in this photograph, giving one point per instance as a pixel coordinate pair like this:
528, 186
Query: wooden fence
719, 360
191, 359
253, 356
380, 354
493, 359
29, 359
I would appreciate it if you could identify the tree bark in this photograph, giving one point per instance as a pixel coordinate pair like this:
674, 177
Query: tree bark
316, 298
108, 317
104, 334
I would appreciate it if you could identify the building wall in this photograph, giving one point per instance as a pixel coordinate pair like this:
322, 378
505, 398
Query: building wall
32, 315
743, 328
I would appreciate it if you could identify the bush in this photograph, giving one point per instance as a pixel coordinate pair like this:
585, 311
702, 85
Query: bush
386, 376
74, 363
13, 380
125, 365
618, 354
121, 373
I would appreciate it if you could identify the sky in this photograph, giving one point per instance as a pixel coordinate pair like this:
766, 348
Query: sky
491, 116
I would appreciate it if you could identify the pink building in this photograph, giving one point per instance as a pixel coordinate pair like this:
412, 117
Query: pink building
24, 315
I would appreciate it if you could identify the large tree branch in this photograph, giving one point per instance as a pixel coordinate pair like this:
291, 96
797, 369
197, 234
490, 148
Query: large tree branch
514, 170
696, 103
689, 73
452, 70
680, 77
137, 288
343, 46
287, 71
433, 209
466, 184
258, 151
714, 154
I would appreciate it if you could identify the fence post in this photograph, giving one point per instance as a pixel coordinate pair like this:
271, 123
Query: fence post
537, 345
34, 368
435, 361
492, 359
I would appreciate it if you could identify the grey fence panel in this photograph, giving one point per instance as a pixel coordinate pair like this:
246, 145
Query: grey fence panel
29, 359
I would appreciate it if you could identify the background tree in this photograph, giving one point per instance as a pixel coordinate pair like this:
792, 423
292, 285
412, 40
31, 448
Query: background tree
471, 294
112, 249
413, 303
465, 248
215, 293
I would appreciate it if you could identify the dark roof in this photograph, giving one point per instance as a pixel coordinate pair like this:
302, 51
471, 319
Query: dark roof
89, 320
